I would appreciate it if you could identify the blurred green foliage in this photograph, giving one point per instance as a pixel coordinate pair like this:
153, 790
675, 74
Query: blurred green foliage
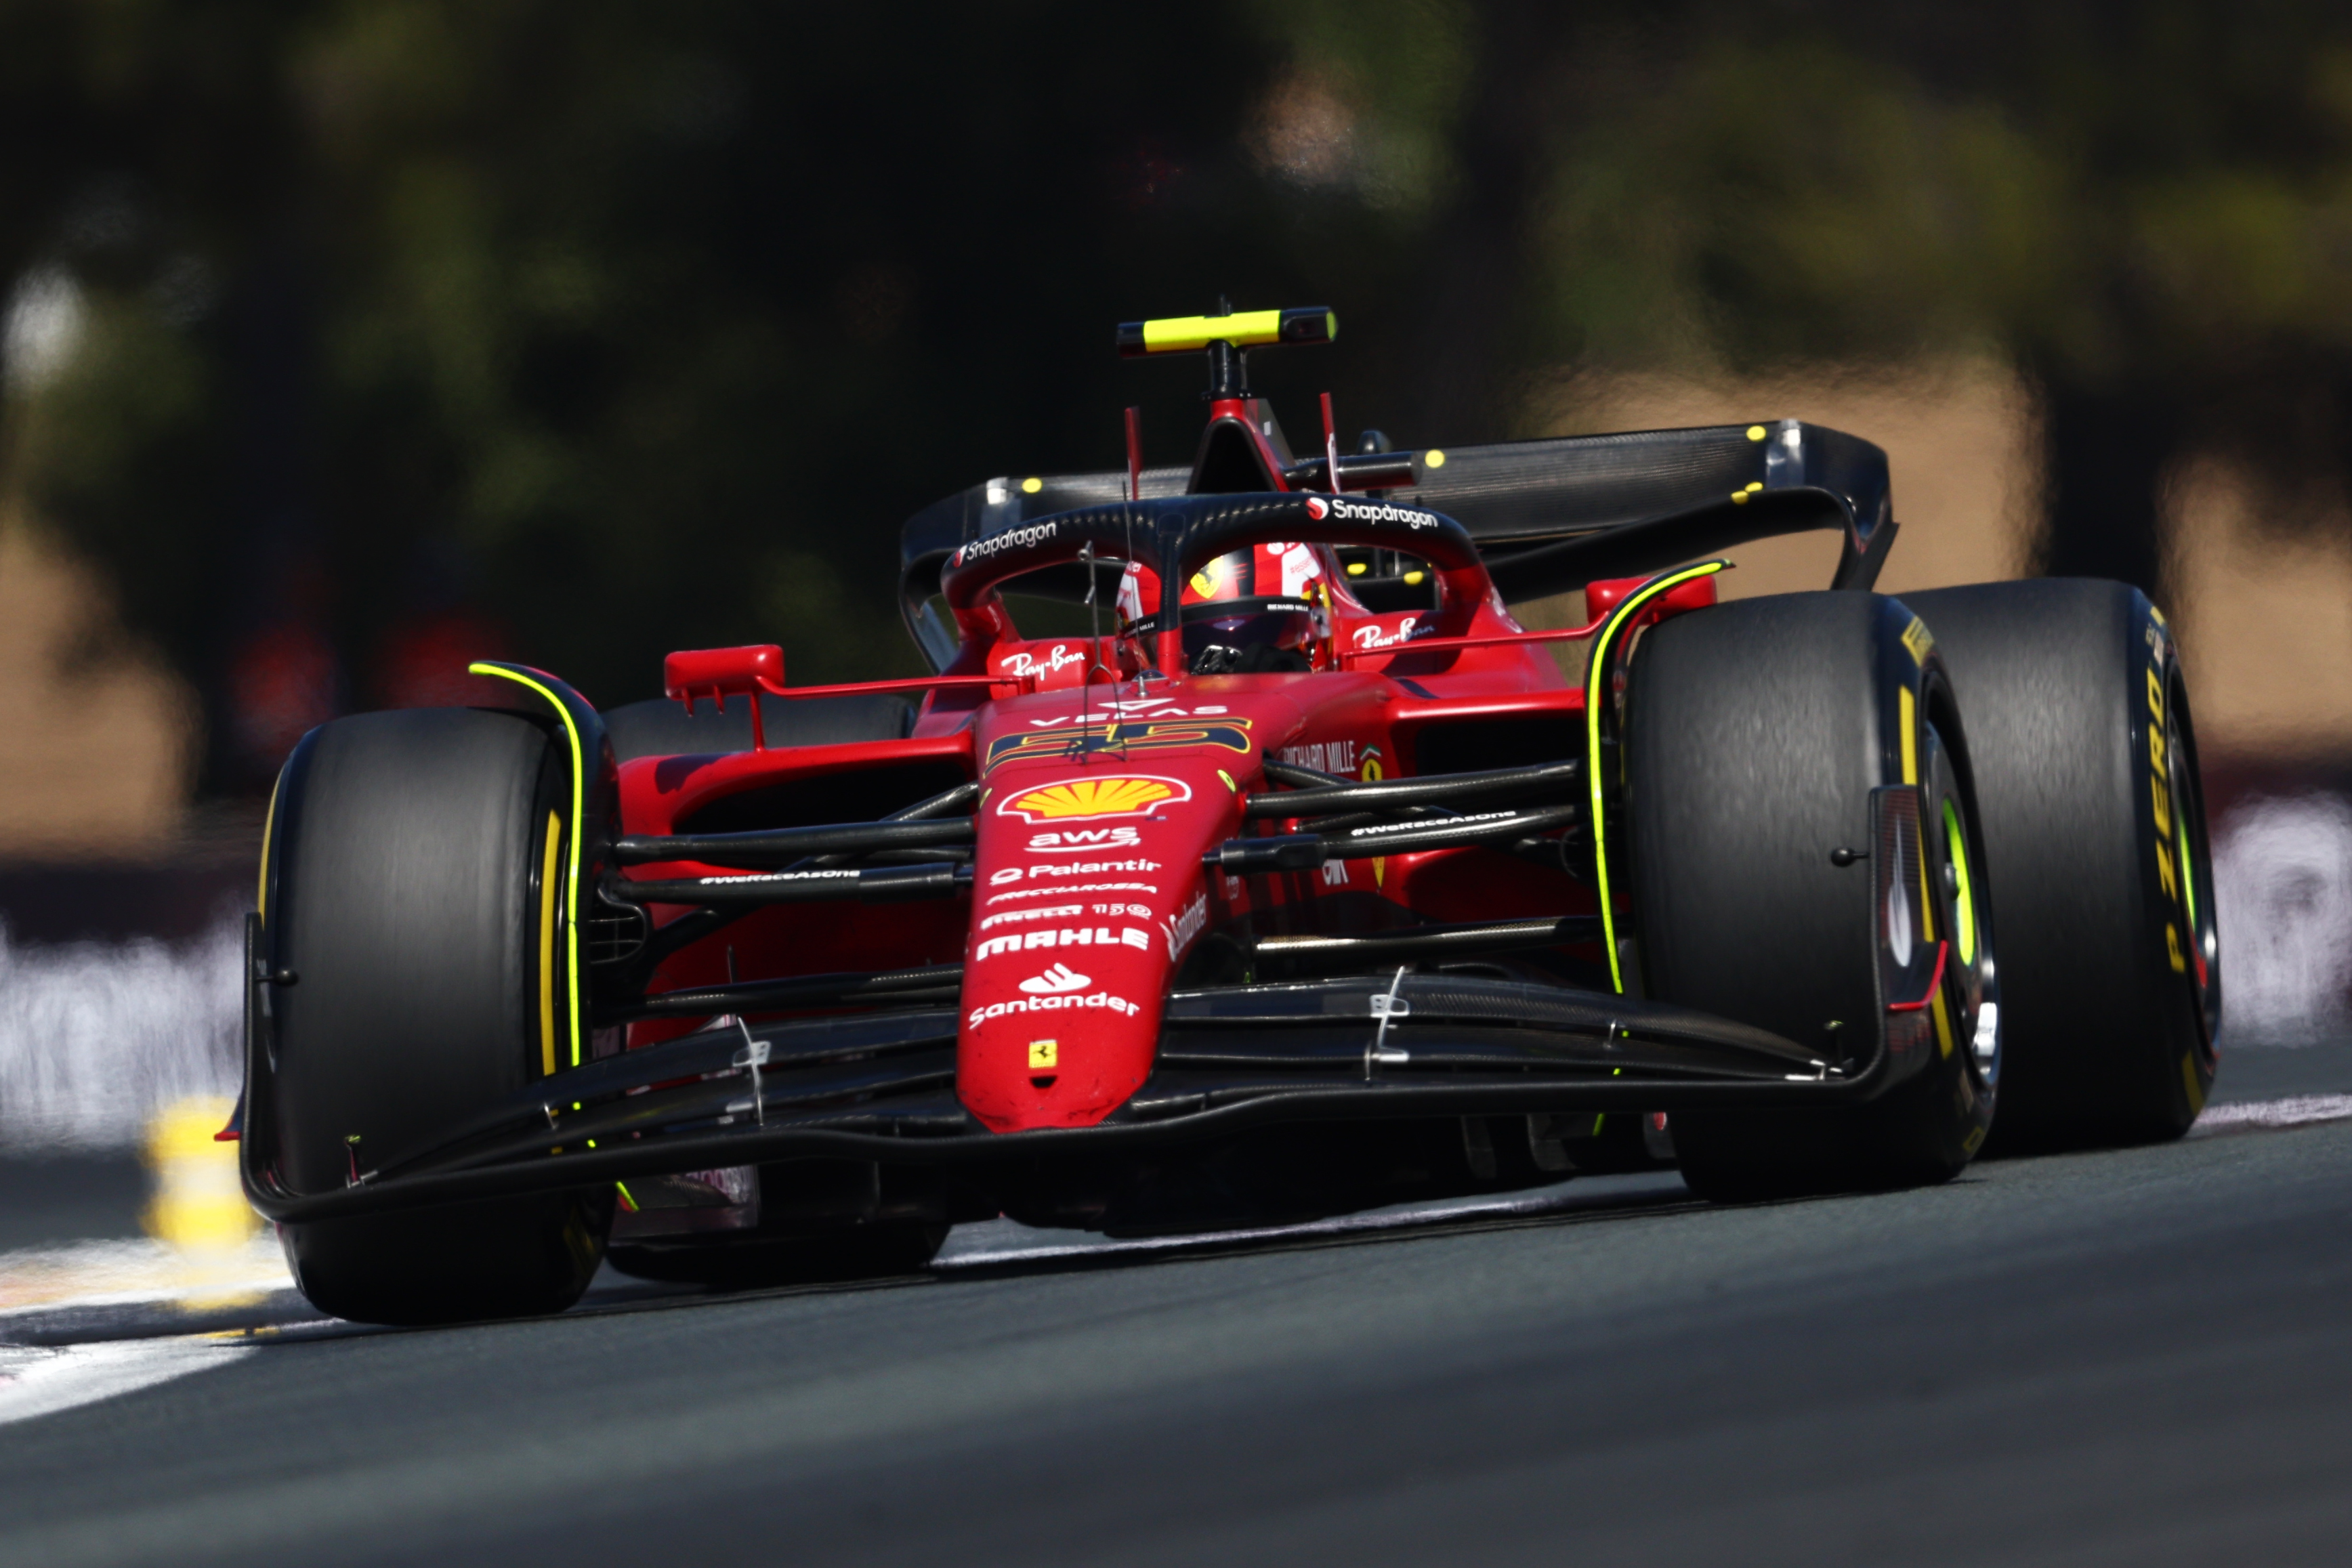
627, 327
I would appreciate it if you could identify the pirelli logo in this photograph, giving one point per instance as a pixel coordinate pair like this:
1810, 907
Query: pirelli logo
1916, 639
1143, 735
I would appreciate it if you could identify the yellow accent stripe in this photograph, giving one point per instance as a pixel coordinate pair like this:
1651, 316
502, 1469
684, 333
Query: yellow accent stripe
1242, 330
269, 820
1910, 738
548, 883
1910, 706
1600, 668
571, 860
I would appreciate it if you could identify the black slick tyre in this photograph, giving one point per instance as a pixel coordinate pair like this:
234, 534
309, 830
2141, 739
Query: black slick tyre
407, 891
1755, 734
2095, 830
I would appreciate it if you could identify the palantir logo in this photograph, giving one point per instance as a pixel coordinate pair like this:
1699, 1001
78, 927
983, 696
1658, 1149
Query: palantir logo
1055, 981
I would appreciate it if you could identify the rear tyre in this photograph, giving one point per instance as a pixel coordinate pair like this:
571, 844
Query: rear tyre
1755, 733
2095, 831
408, 884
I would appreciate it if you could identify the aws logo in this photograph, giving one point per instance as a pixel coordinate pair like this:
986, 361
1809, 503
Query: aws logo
1082, 800
1083, 841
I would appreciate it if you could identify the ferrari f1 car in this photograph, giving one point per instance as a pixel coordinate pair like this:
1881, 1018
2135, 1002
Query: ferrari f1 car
1303, 878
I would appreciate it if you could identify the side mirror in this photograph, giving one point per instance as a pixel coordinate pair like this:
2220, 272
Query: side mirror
721, 673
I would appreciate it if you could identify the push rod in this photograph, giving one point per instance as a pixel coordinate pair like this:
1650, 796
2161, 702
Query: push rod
922, 983
1306, 852
782, 846
1440, 788
690, 928
1434, 941
865, 885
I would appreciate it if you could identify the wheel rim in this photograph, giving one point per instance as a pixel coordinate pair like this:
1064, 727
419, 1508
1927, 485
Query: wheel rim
1963, 891
1970, 990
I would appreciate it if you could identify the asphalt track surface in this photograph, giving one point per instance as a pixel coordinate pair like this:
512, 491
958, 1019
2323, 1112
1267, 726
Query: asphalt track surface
2141, 1357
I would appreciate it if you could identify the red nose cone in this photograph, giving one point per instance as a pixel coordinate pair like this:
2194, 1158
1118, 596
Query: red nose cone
1088, 891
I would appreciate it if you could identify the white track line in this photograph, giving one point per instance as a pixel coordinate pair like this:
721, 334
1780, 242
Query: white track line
2255, 1115
34, 1382
1001, 1242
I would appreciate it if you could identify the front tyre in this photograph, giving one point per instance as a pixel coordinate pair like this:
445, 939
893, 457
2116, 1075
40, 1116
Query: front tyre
413, 888
1755, 735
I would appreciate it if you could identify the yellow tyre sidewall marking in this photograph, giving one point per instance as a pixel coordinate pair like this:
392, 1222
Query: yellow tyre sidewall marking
571, 859
1909, 720
550, 880
1600, 667
2161, 819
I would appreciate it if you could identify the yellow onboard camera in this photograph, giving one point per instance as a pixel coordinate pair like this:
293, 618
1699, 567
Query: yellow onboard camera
1242, 330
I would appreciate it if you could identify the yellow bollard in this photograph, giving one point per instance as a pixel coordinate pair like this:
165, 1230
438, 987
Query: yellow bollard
197, 1204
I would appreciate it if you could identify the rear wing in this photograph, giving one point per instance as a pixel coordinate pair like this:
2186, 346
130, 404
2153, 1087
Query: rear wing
1549, 516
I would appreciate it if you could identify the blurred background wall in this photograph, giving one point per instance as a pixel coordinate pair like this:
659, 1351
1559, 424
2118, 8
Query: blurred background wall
344, 341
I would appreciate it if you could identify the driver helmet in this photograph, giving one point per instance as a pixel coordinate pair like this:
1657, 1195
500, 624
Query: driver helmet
1254, 609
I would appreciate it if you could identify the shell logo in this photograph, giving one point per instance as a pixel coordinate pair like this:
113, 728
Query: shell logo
1114, 795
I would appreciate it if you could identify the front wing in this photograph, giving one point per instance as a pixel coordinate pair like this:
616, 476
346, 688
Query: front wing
881, 1085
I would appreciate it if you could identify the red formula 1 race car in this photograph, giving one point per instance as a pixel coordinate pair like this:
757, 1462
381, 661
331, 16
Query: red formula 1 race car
1303, 880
